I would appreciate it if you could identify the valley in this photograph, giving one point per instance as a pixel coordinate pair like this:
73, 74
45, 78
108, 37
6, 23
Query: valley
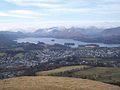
49, 56
59, 44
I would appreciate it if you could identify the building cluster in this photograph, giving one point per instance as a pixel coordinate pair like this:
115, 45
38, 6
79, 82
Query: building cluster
52, 54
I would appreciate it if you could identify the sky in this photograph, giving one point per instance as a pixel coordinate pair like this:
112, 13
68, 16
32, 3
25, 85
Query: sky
32, 14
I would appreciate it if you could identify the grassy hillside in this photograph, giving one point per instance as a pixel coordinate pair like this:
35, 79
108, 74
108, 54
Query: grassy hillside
105, 74
53, 83
62, 70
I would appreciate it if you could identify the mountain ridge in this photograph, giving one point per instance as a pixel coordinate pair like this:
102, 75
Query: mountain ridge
91, 34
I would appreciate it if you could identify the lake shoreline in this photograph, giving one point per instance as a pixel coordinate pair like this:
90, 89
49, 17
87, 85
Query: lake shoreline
48, 40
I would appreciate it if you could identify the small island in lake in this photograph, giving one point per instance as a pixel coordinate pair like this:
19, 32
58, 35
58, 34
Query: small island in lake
69, 44
53, 40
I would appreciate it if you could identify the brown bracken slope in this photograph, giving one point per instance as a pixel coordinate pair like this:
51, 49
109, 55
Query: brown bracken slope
53, 83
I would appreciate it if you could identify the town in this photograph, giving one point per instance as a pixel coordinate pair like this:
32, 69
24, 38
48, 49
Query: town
28, 58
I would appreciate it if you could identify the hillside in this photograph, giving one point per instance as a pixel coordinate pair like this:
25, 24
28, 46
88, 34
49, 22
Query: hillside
59, 32
107, 36
104, 74
53, 83
61, 70
91, 34
111, 32
111, 35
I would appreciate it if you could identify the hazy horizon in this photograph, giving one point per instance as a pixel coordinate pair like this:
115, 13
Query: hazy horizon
31, 27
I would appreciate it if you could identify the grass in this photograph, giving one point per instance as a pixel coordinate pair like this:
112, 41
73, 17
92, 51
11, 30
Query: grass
53, 83
61, 69
2, 54
19, 55
104, 74
101, 72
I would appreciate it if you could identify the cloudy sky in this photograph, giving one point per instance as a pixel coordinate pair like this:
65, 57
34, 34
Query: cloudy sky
45, 13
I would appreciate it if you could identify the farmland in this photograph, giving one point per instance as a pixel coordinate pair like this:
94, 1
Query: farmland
109, 75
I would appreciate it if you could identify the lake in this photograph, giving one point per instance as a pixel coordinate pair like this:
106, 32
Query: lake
52, 41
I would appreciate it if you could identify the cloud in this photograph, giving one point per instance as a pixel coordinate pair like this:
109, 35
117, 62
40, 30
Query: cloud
71, 5
79, 10
37, 3
65, 9
34, 1
26, 12
22, 14
31, 26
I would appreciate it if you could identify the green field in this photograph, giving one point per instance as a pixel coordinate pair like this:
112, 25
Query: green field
61, 70
2, 54
103, 74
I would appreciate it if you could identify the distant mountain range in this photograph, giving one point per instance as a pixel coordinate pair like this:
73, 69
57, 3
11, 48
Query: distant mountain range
7, 37
111, 35
111, 32
91, 34
62, 32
